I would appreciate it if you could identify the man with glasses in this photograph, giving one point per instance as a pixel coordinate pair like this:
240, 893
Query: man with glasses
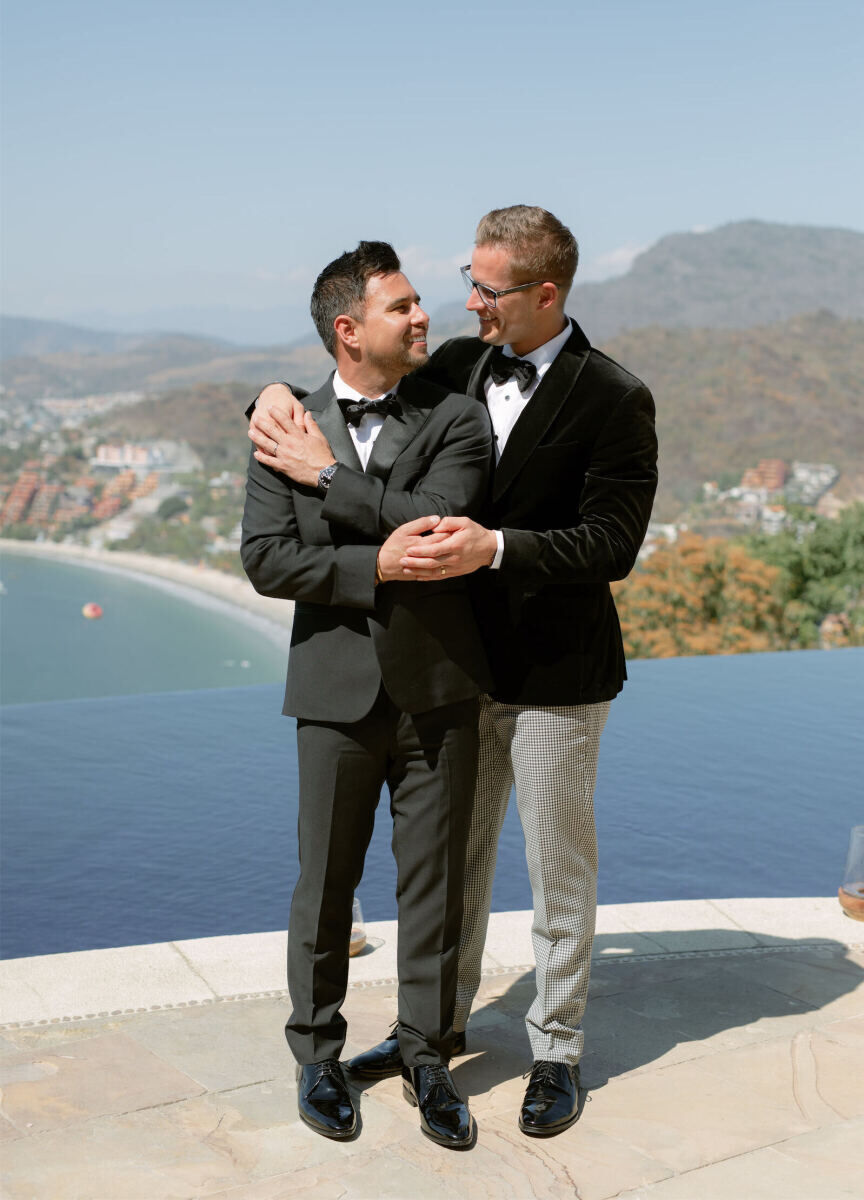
571, 495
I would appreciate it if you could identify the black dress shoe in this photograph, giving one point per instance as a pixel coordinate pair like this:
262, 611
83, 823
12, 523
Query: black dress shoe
323, 1100
385, 1059
444, 1115
551, 1101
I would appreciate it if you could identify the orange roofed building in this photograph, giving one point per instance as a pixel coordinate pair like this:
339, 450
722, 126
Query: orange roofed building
770, 474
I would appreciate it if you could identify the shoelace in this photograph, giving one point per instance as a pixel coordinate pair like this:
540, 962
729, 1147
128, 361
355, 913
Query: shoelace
436, 1074
437, 1077
330, 1066
541, 1073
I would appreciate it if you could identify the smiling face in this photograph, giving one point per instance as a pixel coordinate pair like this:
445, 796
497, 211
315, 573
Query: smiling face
391, 334
522, 319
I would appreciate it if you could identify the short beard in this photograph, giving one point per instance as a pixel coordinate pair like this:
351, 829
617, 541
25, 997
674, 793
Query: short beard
405, 362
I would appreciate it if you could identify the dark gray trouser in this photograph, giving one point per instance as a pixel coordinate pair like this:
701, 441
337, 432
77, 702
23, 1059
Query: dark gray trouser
428, 762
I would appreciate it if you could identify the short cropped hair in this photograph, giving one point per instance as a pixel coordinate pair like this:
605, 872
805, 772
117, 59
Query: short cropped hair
541, 247
341, 286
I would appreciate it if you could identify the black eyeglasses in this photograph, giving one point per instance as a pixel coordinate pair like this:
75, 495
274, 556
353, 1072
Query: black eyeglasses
488, 295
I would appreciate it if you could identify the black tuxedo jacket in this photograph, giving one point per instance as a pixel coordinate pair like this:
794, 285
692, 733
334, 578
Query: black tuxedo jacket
572, 493
319, 549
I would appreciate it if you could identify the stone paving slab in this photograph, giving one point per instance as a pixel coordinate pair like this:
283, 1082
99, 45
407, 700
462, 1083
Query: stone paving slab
122, 979
775, 920
732, 1071
230, 966
97, 981
801, 1168
98, 1076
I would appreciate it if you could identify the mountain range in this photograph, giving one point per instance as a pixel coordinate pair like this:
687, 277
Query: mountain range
751, 338
746, 274
740, 275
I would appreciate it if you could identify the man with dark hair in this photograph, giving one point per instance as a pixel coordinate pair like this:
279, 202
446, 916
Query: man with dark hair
341, 288
572, 488
383, 676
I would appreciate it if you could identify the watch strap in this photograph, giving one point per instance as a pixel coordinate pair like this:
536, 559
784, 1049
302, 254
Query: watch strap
325, 476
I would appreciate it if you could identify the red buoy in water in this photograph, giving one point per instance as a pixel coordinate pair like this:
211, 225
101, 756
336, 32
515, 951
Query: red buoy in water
91, 611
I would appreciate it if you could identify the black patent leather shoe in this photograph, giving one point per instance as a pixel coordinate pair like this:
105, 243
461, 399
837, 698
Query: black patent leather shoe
444, 1115
551, 1102
385, 1059
323, 1100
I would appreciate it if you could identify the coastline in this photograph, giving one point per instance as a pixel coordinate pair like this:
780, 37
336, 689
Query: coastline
199, 585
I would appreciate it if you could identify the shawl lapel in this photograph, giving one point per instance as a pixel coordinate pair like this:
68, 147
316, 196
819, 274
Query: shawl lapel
477, 378
332, 424
398, 430
541, 410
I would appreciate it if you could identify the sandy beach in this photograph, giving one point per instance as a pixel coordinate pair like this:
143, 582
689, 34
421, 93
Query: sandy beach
198, 584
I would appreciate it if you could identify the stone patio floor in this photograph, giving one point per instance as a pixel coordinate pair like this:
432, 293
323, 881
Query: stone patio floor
725, 1058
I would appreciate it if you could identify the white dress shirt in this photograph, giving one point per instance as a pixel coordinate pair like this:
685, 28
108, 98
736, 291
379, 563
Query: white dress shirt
363, 435
506, 403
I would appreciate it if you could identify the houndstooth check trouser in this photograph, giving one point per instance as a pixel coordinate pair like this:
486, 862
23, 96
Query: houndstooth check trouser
551, 756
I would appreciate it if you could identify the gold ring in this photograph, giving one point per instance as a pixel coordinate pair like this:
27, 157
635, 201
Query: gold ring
443, 570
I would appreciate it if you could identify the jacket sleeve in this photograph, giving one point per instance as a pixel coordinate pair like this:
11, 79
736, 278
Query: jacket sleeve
614, 507
279, 564
454, 484
299, 392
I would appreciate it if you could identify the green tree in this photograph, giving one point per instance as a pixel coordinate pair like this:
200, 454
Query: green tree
171, 506
176, 539
822, 572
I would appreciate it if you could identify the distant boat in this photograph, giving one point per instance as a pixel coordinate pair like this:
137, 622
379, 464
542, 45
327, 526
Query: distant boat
91, 611
2, 588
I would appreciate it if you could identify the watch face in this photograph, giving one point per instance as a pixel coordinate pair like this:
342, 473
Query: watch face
325, 475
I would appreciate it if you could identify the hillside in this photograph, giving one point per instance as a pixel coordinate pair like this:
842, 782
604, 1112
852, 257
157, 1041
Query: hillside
159, 363
738, 276
725, 399
207, 416
27, 336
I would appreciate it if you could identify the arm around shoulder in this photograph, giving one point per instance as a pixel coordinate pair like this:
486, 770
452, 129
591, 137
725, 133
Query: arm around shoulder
268, 397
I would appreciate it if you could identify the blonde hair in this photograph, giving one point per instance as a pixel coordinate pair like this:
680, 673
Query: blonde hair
541, 248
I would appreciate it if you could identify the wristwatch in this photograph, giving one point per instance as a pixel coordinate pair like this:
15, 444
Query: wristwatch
325, 475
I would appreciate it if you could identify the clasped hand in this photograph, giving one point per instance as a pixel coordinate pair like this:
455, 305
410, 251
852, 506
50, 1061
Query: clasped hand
458, 546
288, 439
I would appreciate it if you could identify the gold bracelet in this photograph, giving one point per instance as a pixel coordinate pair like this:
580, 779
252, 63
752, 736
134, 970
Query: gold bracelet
378, 576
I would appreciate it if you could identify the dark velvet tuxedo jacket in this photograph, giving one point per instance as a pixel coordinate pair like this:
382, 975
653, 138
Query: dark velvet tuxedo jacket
572, 492
319, 549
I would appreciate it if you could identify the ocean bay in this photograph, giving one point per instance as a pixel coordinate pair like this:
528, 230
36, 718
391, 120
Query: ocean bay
153, 636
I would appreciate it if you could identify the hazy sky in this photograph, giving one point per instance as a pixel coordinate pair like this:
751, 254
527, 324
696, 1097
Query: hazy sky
194, 163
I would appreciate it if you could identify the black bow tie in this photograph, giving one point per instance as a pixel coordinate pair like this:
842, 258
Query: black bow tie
355, 410
502, 367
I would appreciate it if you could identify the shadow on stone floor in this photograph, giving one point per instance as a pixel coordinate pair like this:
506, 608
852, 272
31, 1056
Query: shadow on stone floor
651, 1010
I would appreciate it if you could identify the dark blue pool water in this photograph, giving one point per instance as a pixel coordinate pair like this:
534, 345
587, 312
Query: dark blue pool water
149, 818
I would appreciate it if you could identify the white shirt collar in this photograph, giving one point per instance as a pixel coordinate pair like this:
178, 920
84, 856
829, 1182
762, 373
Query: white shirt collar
546, 354
344, 391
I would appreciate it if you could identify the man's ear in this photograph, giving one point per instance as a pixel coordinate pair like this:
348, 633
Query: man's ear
548, 295
345, 328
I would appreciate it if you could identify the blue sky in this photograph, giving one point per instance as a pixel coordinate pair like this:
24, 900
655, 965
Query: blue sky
194, 163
